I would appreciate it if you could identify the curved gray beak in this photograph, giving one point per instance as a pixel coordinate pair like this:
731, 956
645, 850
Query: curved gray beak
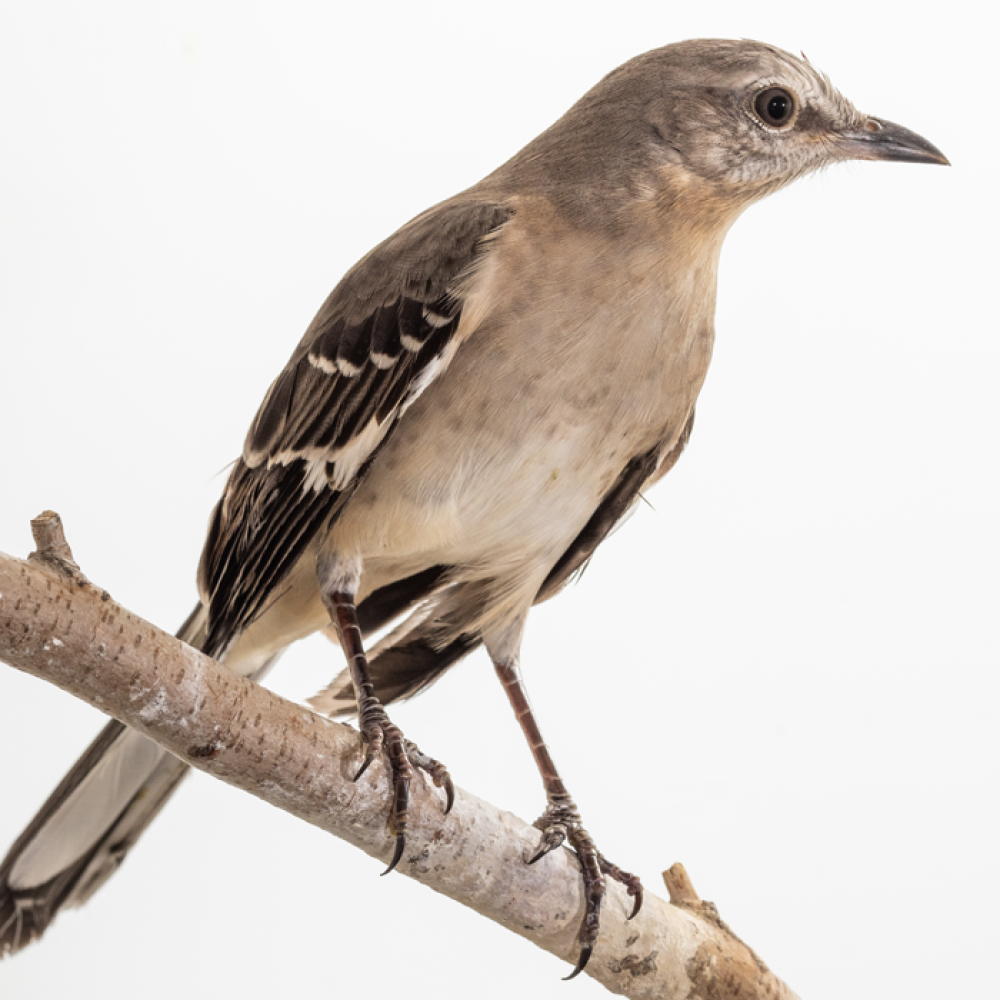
878, 139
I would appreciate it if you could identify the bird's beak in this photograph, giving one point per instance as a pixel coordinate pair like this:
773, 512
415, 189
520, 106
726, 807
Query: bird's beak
878, 139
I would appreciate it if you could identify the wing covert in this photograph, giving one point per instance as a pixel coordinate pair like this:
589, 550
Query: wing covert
386, 331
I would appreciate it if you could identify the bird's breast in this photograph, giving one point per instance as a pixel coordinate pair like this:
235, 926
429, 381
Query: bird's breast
567, 377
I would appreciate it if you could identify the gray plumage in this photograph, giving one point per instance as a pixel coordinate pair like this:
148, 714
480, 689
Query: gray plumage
478, 402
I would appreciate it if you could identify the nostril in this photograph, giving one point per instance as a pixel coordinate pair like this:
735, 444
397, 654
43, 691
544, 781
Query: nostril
873, 126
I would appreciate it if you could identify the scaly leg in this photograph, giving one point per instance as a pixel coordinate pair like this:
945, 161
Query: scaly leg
561, 821
377, 730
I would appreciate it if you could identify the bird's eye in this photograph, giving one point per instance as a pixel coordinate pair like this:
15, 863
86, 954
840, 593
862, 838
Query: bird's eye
775, 107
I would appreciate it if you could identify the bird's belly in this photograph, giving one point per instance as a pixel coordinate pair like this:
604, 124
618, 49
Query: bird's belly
500, 464
476, 499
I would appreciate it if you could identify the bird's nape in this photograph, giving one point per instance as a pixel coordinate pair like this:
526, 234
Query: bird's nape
475, 407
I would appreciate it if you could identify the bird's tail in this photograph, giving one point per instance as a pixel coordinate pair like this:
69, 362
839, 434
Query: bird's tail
407, 660
88, 824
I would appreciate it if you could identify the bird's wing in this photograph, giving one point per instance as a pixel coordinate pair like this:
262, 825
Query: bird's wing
409, 659
385, 333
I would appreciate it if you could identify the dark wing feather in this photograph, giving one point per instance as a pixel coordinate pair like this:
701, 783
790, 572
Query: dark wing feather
405, 668
376, 343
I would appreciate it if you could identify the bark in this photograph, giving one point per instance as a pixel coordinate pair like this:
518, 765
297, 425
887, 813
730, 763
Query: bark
57, 626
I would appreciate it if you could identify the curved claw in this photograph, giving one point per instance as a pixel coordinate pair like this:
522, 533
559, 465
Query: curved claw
553, 836
637, 906
364, 767
546, 848
437, 771
398, 853
581, 963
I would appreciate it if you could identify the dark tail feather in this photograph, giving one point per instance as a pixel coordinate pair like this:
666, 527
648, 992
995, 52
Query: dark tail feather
382, 606
398, 672
406, 670
25, 913
407, 660
82, 833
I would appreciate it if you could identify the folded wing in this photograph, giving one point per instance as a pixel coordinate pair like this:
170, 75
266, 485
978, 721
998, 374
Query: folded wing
384, 334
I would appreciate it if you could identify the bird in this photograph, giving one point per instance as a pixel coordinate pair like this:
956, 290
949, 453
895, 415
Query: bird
480, 400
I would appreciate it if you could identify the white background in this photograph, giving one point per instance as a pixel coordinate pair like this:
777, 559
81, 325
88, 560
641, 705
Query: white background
799, 697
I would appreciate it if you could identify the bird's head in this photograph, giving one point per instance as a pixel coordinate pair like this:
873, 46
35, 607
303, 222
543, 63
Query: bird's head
751, 118
746, 115
738, 119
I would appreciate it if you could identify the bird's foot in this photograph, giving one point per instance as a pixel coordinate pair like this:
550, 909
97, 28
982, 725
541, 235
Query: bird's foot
561, 822
435, 769
378, 733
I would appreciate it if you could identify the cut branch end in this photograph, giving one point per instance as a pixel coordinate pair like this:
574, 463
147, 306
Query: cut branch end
52, 551
50, 542
680, 887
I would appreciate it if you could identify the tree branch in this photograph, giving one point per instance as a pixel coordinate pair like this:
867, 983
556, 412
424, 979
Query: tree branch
55, 625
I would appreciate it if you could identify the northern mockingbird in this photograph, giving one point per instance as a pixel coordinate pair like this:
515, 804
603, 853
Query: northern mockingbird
478, 402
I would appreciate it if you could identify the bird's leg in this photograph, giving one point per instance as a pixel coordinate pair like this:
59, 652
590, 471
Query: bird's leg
561, 821
377, 730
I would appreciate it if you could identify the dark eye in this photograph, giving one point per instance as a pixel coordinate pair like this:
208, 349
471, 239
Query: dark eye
775, 107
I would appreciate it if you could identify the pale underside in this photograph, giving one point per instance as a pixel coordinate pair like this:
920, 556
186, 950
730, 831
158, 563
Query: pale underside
499, 463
